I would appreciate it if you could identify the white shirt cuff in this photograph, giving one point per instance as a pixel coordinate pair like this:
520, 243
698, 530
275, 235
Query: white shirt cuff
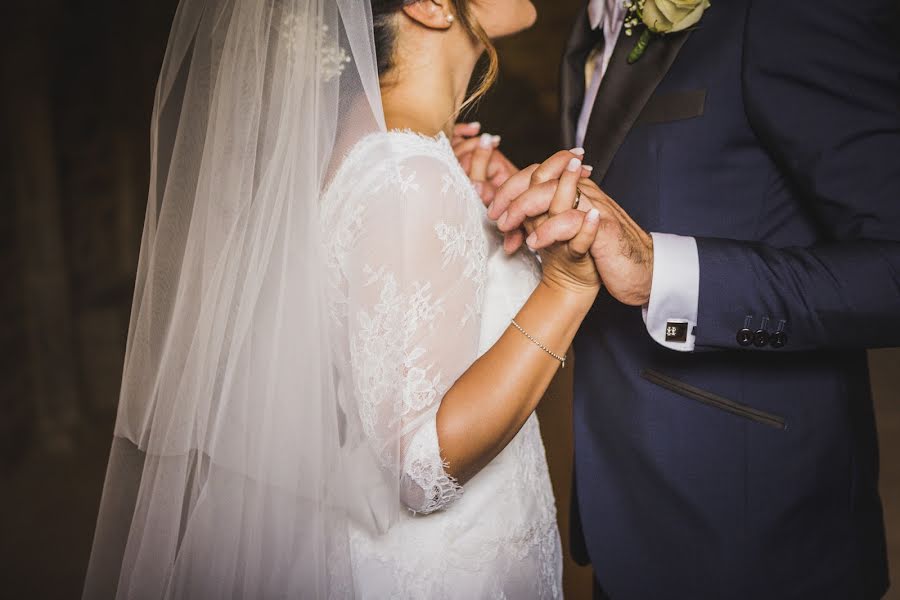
671, 314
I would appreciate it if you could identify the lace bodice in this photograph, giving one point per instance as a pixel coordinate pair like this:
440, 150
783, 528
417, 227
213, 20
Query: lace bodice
420, 288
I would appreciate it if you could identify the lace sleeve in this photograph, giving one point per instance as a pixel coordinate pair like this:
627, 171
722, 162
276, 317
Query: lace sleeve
415, 274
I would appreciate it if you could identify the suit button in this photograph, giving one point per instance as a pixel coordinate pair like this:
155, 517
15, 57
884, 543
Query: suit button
779, 339
761, 338
745, 337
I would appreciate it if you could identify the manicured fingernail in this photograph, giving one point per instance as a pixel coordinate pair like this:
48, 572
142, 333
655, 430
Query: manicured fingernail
479, 187
588, 168
502, 219
578, 151
593, 215
574, 165
496, 140
475, 125
532, 240
486, 141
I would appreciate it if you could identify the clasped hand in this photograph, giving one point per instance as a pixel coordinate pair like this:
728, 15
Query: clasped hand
594, 243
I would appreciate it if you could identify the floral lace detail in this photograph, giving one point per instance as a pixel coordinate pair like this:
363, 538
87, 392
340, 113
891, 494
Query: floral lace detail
466, 243
386, 356
458, 187
332, 59
399, 177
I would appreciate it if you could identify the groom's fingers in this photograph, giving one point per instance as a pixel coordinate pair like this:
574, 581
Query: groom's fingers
564, 198
533, 202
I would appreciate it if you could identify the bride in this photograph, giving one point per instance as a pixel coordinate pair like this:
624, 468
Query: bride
332, 364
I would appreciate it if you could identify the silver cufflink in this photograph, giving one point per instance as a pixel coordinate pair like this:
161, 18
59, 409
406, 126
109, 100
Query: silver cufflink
676, 332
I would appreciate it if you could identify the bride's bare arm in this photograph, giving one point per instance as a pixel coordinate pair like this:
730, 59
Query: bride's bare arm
490, 402
488, 405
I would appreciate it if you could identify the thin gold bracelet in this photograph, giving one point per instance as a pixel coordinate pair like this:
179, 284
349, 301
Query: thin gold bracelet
561, 359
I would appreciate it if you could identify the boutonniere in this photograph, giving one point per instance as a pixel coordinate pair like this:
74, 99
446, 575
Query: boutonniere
660, 17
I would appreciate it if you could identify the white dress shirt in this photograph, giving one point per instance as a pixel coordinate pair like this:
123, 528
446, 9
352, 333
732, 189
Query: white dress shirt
610, 15
675, 292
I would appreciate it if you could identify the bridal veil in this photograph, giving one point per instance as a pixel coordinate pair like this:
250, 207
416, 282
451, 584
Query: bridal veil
234, 471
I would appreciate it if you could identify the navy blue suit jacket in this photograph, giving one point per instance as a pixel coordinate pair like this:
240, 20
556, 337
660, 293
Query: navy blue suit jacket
771, 133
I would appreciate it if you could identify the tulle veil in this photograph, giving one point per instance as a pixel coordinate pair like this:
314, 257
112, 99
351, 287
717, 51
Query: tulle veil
234, 471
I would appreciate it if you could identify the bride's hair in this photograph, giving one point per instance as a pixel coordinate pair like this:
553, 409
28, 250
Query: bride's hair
386, 37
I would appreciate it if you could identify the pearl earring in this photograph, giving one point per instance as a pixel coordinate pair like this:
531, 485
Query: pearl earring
450, 18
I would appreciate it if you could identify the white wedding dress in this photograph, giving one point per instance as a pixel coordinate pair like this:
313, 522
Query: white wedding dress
420, 287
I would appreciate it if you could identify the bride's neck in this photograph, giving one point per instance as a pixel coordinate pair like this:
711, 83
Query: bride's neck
428, 84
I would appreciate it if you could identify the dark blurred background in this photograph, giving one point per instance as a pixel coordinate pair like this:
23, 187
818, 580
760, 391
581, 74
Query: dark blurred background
76, 90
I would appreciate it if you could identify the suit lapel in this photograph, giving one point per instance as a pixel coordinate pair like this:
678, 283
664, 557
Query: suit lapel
580, 44
624, 93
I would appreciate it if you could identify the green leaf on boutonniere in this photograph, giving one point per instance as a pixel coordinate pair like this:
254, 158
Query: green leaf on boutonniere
640, 46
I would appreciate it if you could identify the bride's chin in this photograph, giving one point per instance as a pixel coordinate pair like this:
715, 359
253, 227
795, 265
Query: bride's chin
528, 18
525, 18
532, 16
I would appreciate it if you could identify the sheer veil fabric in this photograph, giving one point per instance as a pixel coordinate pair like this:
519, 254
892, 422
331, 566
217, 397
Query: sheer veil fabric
234, 470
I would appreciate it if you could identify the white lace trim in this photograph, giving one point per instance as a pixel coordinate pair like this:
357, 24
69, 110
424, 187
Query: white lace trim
429, 486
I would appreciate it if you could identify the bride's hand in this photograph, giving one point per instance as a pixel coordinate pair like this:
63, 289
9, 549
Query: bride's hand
517, 195
567, 262
566, 259
480, 158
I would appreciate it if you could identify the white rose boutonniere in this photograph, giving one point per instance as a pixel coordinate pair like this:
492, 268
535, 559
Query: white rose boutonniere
660, 17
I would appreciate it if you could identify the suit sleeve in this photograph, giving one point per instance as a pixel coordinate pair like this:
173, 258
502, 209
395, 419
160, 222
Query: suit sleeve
822, 92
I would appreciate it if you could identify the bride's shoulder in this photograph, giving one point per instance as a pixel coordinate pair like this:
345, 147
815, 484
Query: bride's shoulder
379, 154
392, 169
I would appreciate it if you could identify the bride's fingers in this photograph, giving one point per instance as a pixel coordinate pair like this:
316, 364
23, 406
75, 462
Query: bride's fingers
486, 191
555, 166
514, 187
576, 228
463, 146
513, 240
465, 130
481, 156
550, 169
567, 189
465, 162
559, 228
535, 201
580, 245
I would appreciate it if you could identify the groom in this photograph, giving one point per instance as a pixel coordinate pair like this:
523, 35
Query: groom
724, 431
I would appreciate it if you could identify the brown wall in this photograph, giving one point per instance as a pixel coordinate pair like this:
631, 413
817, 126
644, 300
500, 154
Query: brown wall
77, 86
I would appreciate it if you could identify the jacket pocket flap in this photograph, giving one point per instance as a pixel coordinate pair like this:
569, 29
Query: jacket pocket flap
673, 106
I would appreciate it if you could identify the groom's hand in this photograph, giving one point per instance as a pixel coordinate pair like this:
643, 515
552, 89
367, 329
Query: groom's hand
622, 251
